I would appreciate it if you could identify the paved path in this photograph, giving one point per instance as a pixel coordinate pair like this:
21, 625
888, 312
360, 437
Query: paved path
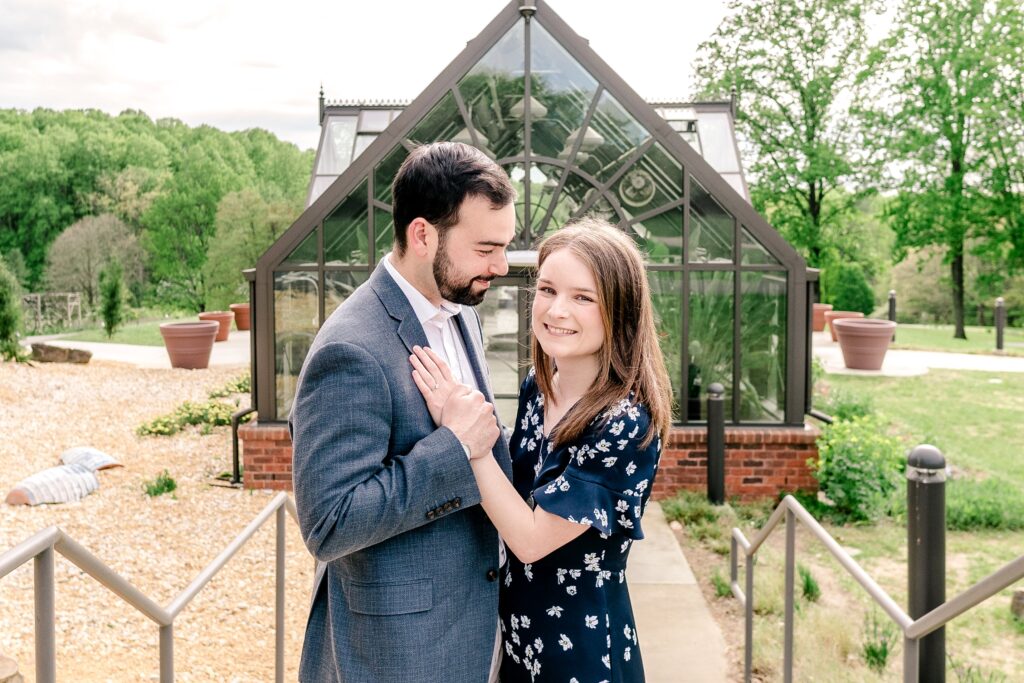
234, 351
906, 363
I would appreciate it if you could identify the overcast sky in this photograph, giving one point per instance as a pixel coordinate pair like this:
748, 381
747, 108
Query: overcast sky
237, 65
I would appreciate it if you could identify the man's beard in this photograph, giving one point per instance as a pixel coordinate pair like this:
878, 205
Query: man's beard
447, 283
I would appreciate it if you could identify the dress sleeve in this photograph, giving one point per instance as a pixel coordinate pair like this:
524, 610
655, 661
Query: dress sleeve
607, 480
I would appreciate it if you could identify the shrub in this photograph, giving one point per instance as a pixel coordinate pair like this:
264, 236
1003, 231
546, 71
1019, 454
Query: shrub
987, 504
242, 385
847, 289
858, 468
164, 483
10, 312
112, 297
209, 414
845, 405
689, 509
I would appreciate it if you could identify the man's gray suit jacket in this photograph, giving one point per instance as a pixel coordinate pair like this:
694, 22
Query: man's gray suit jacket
406, 586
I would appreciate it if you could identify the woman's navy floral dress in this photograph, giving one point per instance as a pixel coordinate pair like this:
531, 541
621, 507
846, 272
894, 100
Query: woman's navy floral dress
567, 617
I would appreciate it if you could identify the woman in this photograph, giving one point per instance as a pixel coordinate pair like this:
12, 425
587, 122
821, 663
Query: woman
592, 416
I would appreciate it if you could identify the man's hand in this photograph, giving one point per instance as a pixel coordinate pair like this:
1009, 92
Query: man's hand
471, 419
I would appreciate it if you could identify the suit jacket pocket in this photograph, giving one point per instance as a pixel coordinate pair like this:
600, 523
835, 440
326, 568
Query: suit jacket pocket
381, 599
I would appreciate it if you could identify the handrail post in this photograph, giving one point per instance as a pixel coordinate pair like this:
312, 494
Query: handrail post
46, 617
716, 444
748, 622
279, 600
926, 556
911, 658
167, 653
787, 653
892, 310
1000, 322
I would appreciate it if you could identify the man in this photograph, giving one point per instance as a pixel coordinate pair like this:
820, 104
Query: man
406, 585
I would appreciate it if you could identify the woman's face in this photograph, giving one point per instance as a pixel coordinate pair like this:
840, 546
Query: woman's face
566, 314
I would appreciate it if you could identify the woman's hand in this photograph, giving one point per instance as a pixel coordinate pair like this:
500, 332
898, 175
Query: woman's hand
434, 380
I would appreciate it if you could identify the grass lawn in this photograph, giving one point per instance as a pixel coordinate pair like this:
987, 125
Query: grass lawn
975, 418
140, 333
940, 338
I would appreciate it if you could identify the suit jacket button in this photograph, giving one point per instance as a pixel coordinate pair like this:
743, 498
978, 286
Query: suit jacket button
431, 514
457, 503
492, 575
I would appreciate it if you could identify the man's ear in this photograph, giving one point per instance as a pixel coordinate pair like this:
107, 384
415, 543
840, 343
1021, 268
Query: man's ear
421, 237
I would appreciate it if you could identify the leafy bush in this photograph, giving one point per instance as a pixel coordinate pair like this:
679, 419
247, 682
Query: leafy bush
858, 468
847, 289
689, 509
242, 385
164, 483
10, 314
844, 405
112, 297
988, 504
209, 414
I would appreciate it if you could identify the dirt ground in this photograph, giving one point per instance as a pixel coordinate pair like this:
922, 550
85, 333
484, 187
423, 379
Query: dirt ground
158, 544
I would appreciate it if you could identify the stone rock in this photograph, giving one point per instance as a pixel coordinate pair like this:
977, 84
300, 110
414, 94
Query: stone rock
45, 353
1017, 604
9, 671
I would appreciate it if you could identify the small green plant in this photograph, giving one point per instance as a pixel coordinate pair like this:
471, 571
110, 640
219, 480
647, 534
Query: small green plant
689, 509
969, 673
208, 414
164, 483
112, 297
161, 426
242, 385
809, 587
844, 405
722, 587
858, 468
879, 641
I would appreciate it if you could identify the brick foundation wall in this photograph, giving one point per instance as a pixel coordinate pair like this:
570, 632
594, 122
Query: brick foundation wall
760, 462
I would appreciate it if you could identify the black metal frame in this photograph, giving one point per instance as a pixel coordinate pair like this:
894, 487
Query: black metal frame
797, 357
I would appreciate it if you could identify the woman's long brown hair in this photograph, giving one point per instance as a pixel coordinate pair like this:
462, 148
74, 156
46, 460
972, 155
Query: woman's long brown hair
630, 358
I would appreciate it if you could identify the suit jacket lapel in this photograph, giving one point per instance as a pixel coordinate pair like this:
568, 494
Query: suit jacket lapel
391, 295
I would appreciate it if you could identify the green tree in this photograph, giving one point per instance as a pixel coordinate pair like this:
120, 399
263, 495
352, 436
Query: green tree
80, 253
10, 313
112, 296
942, 68
796, 69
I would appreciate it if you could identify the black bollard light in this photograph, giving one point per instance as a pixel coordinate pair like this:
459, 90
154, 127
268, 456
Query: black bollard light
716, 444
1000, 322
926, 552
892, 310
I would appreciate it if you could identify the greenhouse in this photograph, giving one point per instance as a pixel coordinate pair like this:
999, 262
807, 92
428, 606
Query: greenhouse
732, 296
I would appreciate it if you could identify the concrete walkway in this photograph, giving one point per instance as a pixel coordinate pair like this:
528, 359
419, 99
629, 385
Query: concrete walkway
679, 639
906, 363
234, 351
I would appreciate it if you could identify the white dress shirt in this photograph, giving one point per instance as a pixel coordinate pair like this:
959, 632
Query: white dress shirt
443, 337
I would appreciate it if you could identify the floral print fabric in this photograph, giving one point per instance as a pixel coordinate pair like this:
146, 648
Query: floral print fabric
567, 617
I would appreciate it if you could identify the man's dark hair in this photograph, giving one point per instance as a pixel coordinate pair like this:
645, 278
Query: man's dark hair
434, 181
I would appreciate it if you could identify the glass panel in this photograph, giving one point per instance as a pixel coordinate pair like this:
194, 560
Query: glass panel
374, 120
296, 318
339, 285
564, 88
711, 226
362, 142
654, 180
491, 89
442, 123
336, 152
564, 206
386, 171
661, 237
613, 135
320, 183
755, 253
735, 181
716, 138
763, 347
499, 315
507, 409
306, 254
518, 174
667, 295
346, 232
384, 232
710, 340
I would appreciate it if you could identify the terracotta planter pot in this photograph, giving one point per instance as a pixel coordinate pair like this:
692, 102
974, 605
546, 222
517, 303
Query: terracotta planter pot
864, 341
241, 312
818, 321
189, 344
836, 315
224, 318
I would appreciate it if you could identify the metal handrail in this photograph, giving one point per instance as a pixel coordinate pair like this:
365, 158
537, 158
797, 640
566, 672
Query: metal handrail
41, 545
913, 630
